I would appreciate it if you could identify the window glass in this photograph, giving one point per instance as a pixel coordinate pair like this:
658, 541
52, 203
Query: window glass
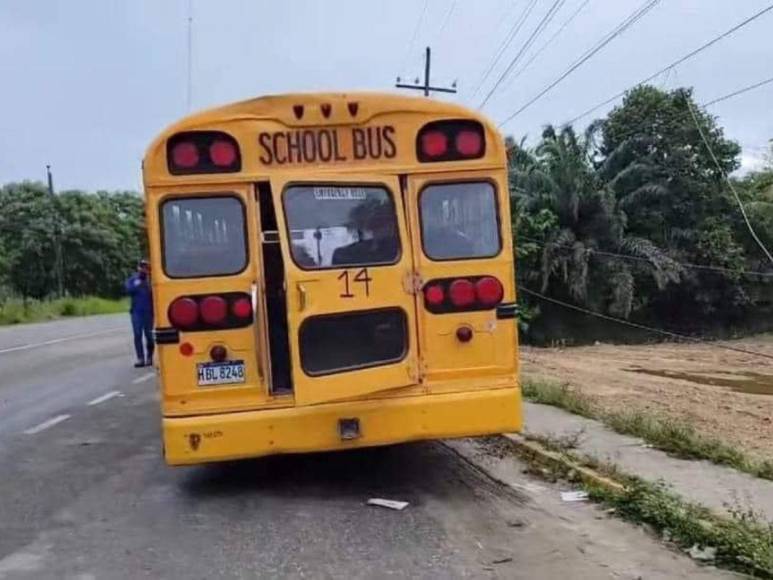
339, 226
352, 340
459, 221
203, 237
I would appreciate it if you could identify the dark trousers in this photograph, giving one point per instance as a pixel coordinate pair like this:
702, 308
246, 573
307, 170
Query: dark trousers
142, 323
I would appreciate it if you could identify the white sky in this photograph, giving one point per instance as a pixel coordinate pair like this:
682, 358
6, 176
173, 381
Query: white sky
88, 83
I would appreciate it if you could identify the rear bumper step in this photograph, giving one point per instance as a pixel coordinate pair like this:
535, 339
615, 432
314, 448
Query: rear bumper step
227, 436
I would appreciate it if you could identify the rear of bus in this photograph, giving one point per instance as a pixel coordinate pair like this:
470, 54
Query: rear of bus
330, 271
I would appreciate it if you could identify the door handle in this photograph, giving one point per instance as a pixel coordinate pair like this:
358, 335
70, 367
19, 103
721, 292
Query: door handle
302, 297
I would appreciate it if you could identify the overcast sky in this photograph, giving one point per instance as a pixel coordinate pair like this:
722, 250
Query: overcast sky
86, 84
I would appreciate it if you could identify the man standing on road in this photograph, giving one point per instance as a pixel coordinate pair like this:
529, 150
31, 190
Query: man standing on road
138, 288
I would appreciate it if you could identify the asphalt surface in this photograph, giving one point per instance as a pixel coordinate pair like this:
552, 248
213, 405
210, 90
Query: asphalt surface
84, 492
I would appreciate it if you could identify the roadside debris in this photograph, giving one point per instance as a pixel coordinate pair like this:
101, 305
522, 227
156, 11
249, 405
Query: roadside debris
574, 496
502, 561
392, 504
706, 554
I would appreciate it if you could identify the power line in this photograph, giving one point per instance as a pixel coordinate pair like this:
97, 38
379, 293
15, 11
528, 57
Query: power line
542, 49
729, 183
690, 265
738, 92
659, 331
677, 62
735, 93
446, 19
414, 37
514, 30
630, 21
556, 6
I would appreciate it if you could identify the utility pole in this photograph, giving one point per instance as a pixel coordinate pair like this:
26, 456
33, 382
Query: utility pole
426, 87
58, 263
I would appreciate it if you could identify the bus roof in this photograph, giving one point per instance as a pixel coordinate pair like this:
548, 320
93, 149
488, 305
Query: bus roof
299, 111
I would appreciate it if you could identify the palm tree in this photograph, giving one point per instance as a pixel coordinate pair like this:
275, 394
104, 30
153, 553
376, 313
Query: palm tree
568, 214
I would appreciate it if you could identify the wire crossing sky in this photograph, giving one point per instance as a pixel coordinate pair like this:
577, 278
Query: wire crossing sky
90, 83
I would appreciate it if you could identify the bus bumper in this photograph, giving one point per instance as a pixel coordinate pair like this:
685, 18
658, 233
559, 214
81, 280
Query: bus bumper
239, 435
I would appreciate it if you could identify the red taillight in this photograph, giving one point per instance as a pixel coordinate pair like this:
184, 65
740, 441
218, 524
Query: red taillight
489, 291
185, 154
242, 308
183, 312
462, 293
434, 295
194, 152
434, 143
222, 153
214, 310
469, 143
450, 140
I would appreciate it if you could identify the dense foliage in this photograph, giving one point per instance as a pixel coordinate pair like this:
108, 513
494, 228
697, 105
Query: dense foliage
615, 219
101, 237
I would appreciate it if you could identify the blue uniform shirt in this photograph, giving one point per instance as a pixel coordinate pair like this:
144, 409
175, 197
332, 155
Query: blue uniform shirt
141, 295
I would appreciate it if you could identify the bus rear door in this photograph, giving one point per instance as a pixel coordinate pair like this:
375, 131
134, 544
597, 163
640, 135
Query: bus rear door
464, 258
348, 264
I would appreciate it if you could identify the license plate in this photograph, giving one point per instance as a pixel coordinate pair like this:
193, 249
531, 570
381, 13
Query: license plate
224, 373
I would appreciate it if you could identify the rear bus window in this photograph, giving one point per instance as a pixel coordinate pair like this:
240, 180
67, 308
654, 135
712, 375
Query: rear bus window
353, 340
459, 221
203, 236
341, 226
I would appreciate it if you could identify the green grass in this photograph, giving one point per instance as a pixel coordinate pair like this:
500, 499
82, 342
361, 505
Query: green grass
665, 433
16, 311
743, 540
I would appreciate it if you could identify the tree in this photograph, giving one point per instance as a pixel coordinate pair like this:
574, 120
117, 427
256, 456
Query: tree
567, 215
675, 195
101, 235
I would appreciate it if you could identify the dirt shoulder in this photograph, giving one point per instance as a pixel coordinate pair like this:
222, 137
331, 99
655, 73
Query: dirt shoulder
724, 394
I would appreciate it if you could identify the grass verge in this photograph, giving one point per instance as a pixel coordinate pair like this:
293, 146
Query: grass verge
16, 311
674, 437
742, 542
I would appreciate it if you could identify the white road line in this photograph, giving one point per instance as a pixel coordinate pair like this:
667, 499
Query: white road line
105, 397
46, 424
143, 378
57, 340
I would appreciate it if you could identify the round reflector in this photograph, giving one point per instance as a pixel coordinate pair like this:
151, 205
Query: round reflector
183, 312
185, 154
214, 309
489, 291
186, 349
222, 153
464, 334
462, 293
218, 353
469, 143
434, 143
434, 295
242, 308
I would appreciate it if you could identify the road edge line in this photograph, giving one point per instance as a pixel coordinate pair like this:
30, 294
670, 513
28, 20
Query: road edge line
535, 451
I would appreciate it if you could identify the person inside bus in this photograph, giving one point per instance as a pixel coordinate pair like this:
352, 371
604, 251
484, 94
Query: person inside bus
141, 311
377, 241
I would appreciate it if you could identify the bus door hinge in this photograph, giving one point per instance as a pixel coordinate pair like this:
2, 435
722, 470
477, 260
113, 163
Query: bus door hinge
412, 283
417, 370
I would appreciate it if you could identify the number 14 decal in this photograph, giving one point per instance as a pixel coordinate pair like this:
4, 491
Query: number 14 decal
361, 277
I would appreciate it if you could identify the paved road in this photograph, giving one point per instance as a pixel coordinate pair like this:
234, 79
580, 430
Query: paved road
84, 493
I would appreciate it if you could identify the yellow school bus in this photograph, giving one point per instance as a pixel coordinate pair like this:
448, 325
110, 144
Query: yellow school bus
330, 271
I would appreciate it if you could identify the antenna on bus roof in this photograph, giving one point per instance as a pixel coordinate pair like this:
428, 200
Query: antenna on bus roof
426, 87
189, 92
